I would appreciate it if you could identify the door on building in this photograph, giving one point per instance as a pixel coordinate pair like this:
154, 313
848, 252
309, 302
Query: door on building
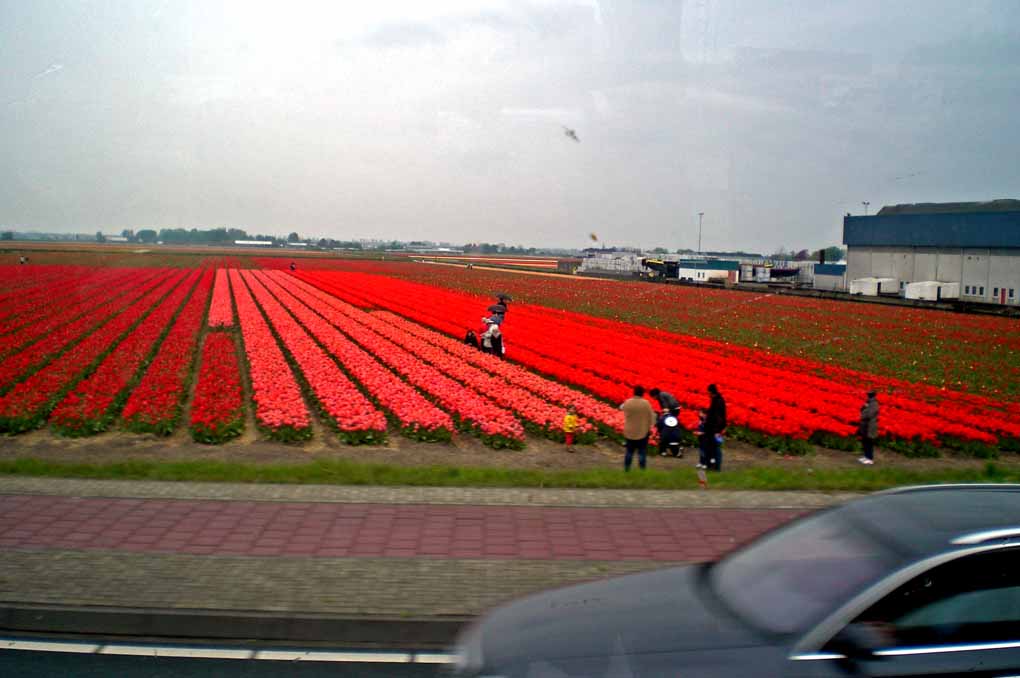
1002, 295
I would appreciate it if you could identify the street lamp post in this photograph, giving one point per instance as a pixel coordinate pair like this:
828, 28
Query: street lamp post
865, 203
700, 216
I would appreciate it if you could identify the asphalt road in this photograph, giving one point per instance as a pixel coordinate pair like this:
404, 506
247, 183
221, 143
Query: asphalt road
28, 664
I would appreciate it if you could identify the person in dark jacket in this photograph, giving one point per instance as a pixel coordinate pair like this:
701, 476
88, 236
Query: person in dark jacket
471, 339
868, 429
715, 426
667, 403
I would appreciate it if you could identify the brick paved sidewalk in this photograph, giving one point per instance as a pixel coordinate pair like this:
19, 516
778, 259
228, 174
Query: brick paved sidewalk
423, 553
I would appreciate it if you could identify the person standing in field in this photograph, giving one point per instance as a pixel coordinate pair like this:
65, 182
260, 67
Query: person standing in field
715, 426
639, 418
868, 429
471, 339
569, 426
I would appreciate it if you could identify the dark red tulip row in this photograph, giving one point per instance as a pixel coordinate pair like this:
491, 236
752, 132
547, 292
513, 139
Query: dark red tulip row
279, 408
26, 405
64, 320
221, 311
217, 414
154, 405
413, 414
344, 406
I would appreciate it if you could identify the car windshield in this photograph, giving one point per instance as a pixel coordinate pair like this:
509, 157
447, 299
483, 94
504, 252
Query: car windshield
794, 576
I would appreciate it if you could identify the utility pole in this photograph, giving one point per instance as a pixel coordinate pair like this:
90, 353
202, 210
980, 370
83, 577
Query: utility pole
700, 215
865, 203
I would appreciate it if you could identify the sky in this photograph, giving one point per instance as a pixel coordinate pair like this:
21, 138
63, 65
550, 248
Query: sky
444, 120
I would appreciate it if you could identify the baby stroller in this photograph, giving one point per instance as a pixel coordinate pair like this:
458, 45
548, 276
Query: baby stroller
670, 436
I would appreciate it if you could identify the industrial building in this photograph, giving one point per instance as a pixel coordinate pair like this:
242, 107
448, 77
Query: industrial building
830, 277
974, 244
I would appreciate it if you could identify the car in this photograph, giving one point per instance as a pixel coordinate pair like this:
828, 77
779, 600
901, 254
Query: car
921, 581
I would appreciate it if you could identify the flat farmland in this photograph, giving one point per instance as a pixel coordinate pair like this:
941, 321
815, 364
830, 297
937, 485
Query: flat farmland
242, 350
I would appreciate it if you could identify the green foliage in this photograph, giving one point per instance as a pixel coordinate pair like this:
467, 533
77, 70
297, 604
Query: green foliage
339, 472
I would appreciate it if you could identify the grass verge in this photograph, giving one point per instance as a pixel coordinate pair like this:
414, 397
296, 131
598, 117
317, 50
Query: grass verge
339, 472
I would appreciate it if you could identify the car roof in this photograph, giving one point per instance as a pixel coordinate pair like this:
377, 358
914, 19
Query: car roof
923, 521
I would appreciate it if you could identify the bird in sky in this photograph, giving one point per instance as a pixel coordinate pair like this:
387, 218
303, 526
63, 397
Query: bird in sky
571, 134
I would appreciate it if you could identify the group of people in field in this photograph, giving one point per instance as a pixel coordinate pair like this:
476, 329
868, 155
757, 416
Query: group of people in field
489, 338
641, 419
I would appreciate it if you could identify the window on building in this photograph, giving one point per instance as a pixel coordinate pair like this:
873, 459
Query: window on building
1010, 292
995, 291
966, 289
982, 291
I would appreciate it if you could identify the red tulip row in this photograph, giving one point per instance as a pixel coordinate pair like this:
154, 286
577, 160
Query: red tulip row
216, 411
21, 306
89, 407
468, 393
345, 407
415, 416
155, 404
26, 405
496, 426
279, 408
606, 356
538, 414
592, 408
64, 317
221, 312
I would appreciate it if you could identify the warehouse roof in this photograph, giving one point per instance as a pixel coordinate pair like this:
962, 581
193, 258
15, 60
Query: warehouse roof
947, 229
709, 265
1002, 205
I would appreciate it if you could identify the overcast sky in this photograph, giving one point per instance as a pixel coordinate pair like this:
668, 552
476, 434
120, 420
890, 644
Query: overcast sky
442, 119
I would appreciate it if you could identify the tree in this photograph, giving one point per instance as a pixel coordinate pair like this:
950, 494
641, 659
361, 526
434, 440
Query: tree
802, 255
293, 237
835, 253
7, 235
147, 235
660, 250
100, 237
129, 234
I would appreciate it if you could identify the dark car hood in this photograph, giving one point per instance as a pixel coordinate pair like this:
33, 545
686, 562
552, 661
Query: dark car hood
659, 611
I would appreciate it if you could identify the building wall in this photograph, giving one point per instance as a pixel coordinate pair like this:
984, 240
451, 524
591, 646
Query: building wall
979, 270
830, 282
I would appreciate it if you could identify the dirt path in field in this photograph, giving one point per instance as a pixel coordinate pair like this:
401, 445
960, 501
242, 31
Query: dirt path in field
464, 451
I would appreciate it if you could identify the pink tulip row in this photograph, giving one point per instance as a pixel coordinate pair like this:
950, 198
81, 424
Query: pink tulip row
279, 408
344, 406
221, 311
538, 414
413, 414
496, 426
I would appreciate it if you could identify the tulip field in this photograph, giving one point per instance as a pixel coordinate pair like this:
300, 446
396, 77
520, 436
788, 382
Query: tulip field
360, 355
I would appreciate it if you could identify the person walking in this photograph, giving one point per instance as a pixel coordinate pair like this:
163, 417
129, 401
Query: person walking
638, 420
868, 429
715, 426
569, 426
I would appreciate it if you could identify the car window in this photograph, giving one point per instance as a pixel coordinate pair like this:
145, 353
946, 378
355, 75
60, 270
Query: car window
971, 600
796, 575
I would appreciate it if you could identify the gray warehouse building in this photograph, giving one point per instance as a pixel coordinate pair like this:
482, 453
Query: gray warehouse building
974, 244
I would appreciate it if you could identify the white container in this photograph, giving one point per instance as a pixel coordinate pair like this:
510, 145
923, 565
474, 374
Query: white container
867, 287
927, 290
949, 290
888, 285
